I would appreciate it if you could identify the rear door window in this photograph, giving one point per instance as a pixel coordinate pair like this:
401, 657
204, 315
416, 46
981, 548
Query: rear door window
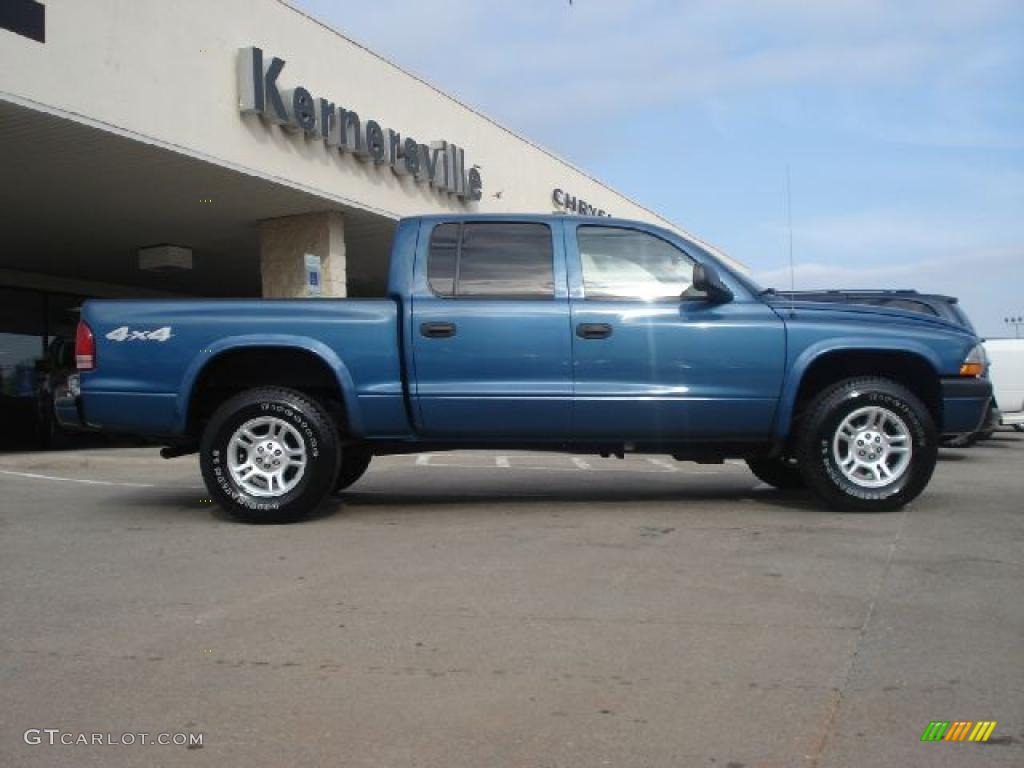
444, 244
492, 259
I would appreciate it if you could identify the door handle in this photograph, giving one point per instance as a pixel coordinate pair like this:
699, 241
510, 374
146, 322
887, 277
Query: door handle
593, 330
437, 330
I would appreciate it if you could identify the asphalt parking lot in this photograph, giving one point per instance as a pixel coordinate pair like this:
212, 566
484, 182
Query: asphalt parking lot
487, 609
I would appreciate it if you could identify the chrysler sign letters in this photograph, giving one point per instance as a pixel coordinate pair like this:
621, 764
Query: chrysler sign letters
440, 163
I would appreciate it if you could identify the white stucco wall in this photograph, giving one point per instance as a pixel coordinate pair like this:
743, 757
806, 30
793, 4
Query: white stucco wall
165, 73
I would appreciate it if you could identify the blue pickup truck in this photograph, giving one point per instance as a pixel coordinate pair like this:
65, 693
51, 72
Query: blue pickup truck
585, 335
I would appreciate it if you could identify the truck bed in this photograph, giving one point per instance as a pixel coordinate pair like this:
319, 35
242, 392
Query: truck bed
148, 363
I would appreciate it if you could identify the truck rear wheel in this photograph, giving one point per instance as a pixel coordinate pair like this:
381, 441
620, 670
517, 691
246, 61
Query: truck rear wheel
354, 462
867, 445
269, 455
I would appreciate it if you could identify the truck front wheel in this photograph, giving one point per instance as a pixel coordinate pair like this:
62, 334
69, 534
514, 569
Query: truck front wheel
269, 455
354, 462
867, 445
781, 472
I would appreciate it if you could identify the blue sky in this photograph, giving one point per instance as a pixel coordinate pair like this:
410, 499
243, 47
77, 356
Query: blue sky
902, 122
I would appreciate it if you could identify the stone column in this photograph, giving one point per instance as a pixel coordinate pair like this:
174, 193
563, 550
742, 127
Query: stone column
284, 243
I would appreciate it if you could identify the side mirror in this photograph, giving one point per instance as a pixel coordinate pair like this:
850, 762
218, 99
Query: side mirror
707, 281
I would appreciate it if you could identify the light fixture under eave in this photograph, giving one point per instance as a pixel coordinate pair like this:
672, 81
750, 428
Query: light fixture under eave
165, 258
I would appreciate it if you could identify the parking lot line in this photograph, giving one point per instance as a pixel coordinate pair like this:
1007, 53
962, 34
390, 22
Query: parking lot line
37, 476
664, 465
451, 461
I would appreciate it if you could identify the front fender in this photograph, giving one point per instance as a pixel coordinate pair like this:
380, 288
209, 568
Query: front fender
803, 361
250, 341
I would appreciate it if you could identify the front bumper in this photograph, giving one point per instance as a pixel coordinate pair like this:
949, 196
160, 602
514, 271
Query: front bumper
964, 404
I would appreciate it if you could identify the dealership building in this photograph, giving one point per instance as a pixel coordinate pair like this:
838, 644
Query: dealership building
228, 148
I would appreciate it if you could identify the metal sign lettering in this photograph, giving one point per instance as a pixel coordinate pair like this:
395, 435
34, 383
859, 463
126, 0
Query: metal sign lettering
563, 199
440, 164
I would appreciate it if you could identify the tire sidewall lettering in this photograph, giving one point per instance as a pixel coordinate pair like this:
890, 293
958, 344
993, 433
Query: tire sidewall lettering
299, 421
317, 432
858, 399
283, 411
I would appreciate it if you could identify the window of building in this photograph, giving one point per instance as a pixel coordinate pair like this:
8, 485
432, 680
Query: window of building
626, 263
492, 259
22, 341
36, 354
22, 346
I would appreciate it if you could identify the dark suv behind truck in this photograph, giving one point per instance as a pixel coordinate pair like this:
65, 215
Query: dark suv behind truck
932, 304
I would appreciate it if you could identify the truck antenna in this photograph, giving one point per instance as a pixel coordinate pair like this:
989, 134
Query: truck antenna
789, 220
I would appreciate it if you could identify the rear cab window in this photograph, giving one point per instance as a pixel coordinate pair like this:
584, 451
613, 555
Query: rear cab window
500, 260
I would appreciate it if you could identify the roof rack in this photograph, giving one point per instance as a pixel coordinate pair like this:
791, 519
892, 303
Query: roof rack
878, 291
910, 292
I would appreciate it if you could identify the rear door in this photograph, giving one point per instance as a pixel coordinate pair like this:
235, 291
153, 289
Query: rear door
490, 330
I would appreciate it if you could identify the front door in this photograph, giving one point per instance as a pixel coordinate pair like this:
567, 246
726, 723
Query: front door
653, 358
491, 339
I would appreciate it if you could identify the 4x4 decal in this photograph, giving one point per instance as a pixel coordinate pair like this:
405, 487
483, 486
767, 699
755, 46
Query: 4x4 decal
124, 333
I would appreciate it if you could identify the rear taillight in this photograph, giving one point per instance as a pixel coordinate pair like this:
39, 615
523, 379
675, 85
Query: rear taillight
85, 348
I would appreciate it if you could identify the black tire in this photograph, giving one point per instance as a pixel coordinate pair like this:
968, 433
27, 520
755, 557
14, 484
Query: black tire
782, 473
818, 462
354, 462
309, 424
1018, 427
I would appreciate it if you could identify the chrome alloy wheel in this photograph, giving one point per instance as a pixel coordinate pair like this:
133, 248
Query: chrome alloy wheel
872, 447
266, 456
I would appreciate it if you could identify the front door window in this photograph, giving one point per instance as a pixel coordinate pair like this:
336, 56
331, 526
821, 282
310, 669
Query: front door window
622, 263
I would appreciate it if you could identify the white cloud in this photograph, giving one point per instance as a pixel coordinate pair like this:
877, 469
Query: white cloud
871, 235
599, 56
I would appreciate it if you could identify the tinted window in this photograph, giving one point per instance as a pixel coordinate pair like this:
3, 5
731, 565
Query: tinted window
507, 259
626, 263
907, 304
961, 317
444, 242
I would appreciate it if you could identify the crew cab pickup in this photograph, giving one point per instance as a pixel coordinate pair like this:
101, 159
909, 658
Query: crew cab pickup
585, 335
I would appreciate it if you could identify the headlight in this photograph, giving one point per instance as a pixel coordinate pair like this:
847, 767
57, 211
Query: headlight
974, 363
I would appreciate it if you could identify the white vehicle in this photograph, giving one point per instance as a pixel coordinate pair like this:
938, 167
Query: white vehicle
1006, 359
